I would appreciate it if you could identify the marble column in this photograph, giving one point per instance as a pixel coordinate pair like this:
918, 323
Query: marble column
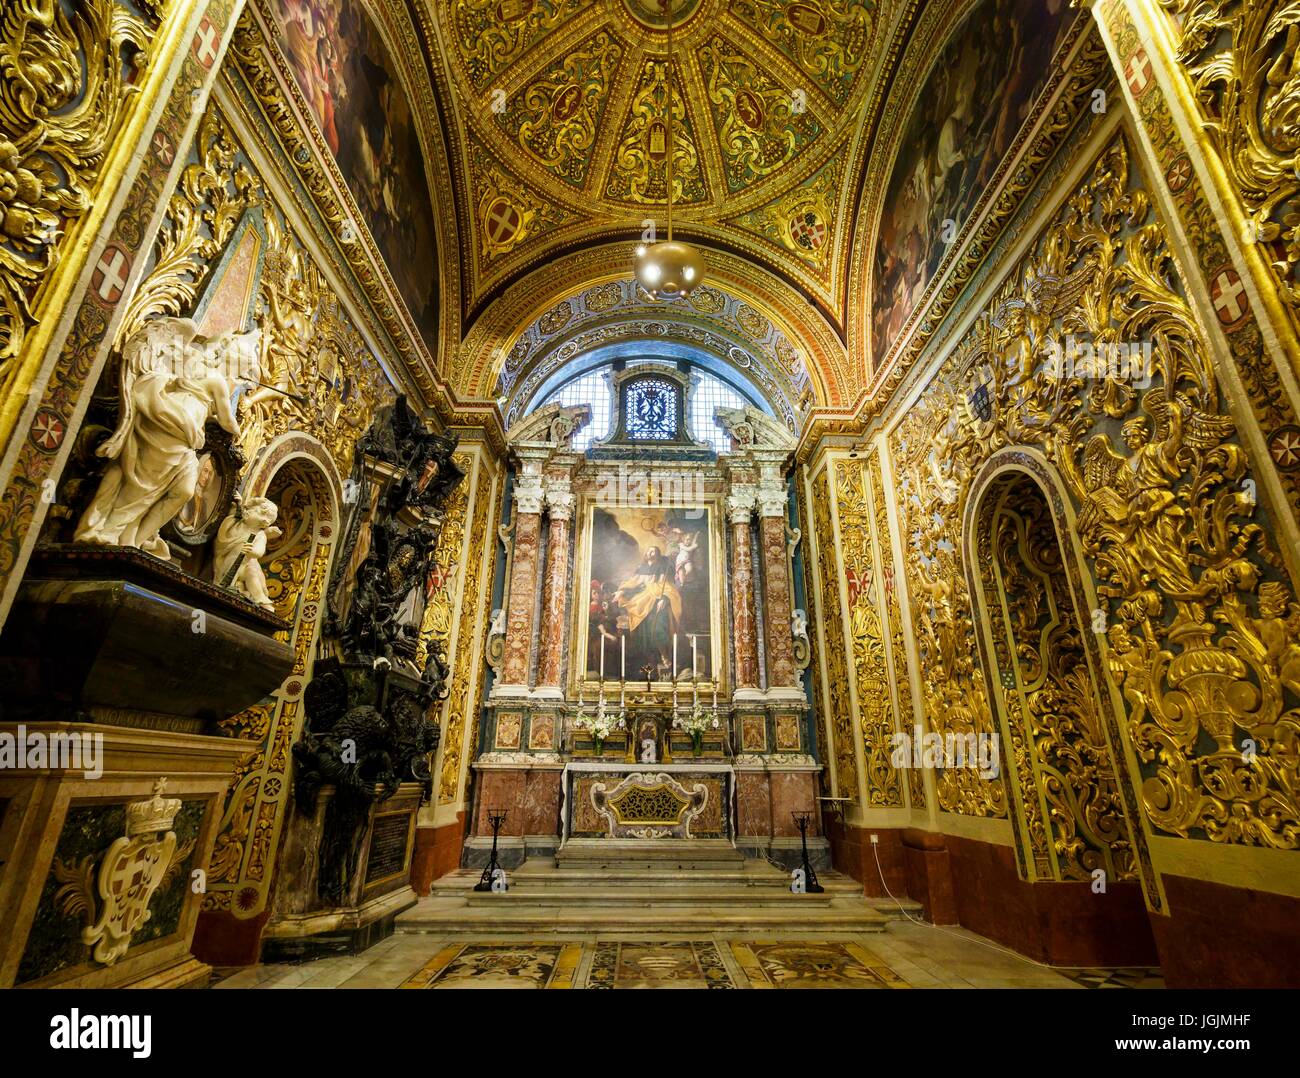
781, 669
559, 510
529, 494
740, 507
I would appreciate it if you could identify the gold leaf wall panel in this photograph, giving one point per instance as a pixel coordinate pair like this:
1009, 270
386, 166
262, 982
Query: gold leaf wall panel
842, 750
867, 633
890, 584
66, 79
1241, 57
1201, 624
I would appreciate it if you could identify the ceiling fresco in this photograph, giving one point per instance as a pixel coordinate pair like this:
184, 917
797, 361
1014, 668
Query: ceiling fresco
801, 128
556, 109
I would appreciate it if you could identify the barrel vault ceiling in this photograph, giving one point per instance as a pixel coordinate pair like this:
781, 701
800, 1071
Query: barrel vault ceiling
551, 112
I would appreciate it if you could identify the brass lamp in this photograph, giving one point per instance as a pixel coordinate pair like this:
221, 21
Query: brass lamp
670, 268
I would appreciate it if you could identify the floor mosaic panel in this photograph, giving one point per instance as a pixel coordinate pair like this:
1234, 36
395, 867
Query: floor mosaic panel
692, 964
813, 964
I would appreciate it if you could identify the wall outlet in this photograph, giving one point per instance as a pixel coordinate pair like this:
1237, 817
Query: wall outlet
875, 840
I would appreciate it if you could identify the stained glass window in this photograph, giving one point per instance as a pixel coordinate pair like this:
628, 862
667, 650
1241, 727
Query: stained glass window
651, 410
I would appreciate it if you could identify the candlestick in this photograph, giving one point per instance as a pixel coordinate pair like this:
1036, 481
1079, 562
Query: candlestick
602, 658
695, 655
674, 664
622, 656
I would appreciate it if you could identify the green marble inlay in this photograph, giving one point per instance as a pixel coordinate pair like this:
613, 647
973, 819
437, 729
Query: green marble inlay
54, 942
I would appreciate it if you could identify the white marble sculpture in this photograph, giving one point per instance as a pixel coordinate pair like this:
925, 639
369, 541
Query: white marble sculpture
649, 751
172, 382
241, 541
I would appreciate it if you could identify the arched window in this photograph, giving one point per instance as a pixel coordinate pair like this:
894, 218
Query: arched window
650, 412
594, 388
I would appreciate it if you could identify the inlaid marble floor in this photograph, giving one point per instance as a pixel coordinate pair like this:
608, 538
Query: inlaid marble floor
904, 956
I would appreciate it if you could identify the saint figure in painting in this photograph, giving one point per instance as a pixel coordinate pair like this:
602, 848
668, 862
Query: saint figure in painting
653, 606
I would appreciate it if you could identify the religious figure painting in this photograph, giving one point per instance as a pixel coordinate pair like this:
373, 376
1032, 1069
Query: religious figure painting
347, 75
650, 580
978, 94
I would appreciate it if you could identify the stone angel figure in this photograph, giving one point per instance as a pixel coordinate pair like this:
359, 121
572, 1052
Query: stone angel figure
172, 382
241, 541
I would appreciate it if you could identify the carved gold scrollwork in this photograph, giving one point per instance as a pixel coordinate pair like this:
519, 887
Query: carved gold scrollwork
1201, 625
213, 192
1242, 58
64, 81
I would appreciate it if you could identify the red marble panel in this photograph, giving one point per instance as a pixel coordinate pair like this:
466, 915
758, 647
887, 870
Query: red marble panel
742, 595
523, 587
753, 803
793, 791
777, 607
554, 601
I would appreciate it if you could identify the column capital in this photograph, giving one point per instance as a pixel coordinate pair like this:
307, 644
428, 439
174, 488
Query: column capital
773, 500
559, 498
529, 494
740, 503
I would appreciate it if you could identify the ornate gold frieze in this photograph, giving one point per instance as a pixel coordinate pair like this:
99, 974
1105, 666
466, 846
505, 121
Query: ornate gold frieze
66, 76
1200, 622
870, 670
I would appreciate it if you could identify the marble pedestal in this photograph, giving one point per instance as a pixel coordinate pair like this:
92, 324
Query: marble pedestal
303, 924
58, 829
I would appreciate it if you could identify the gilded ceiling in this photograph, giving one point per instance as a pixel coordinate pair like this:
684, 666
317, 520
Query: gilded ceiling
540, 125
557, 107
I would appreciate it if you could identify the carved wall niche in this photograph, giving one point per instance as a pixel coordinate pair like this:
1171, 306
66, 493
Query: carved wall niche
1199, 618
297, 474
1060, 741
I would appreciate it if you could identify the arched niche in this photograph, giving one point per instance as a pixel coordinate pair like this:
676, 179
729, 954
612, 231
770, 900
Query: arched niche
1074, 811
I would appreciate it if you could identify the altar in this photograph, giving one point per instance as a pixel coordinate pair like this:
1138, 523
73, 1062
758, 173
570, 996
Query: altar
687, 800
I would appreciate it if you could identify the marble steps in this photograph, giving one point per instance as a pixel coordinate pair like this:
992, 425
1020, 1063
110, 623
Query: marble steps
456, 917
705, 854
652, 896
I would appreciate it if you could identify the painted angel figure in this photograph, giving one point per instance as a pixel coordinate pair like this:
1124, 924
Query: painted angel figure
172, 382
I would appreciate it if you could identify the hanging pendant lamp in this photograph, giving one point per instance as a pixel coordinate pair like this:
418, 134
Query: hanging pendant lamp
669, 269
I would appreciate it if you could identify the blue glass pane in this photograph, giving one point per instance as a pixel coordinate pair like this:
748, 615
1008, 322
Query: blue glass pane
651, 409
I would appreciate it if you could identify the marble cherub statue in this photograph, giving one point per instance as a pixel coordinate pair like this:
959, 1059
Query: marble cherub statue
172, 382
241, 541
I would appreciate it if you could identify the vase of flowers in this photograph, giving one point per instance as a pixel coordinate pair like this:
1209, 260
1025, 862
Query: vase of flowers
599, 724
696, 722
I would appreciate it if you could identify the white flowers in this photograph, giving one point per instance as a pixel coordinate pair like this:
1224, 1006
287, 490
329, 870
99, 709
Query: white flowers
599, 723
697, 720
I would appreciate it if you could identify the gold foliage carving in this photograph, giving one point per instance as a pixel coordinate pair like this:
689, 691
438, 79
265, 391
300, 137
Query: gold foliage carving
871, 673
311, 349
1200, 625
64, 84
1242, 58
213, 193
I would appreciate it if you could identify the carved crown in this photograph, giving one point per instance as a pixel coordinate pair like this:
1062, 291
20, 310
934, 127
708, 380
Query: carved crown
156, 814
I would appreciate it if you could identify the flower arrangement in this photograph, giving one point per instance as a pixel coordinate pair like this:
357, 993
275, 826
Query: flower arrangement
600, 723
699, 719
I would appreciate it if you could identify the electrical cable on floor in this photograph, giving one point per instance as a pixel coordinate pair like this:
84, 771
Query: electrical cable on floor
972, 938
